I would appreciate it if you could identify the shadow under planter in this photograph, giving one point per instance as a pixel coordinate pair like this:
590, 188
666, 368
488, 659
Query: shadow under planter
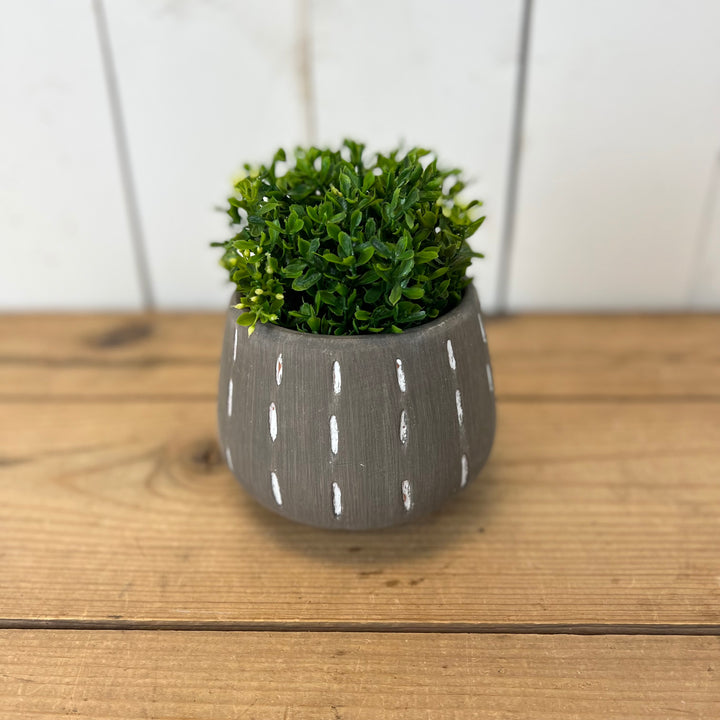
357, 432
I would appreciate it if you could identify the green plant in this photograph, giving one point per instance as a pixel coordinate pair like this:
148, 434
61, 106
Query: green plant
344, 245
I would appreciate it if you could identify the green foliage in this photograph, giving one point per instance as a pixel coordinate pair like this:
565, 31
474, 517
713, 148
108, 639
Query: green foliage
342, 244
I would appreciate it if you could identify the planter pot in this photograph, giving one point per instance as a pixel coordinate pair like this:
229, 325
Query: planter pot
357, 432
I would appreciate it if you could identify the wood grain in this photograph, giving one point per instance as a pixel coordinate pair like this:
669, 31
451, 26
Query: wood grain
341, 676
176, 355
586, 513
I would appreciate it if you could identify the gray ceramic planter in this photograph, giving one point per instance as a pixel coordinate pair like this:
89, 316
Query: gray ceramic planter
357, 432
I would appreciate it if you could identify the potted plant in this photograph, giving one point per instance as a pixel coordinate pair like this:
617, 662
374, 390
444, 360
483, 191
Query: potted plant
355, 384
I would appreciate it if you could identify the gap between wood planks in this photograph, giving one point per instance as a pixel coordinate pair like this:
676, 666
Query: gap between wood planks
686, 629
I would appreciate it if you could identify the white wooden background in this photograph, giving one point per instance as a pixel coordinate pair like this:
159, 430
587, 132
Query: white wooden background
593, 137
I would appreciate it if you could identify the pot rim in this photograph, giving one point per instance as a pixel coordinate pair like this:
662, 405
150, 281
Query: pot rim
442, 320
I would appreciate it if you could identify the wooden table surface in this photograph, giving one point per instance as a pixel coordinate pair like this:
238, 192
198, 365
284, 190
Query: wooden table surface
577, 577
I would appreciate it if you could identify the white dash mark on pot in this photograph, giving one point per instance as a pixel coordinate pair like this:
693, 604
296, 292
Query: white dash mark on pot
400, 375
272, 416
463, 471
403, 427
228, 457
337, 379
276, 488
488, 370
235, 344
406, 494
458, 405
337, 500
451, 355
230, 397
334, 437
278, 369
482, 328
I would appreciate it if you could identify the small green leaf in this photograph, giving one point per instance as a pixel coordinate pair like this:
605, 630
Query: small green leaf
415, 317
473, 226
355, 219
402, 245
395, 294
294, 224
427, 255
382, 248
345, 245
294, 269
332, 258
327, 298
369, 277
303, 247
404, 269
439, 272
246, 318
267, 208
395, 201
414, 293
364, 255
337, 218
306, 281
345, 184
333, 230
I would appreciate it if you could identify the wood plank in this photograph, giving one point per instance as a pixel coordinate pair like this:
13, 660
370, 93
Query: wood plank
607, 356
451, 88
63, 227
115, 356
297, 676
205, 88
586, 513
567, 356
615, 175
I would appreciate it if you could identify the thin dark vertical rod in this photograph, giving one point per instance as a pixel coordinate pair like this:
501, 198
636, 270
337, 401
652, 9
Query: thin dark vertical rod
306, 69
511, 192
123, 154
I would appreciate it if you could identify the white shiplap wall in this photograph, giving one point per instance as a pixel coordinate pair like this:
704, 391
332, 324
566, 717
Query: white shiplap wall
64, 237
620, 147
618, 199
705, 286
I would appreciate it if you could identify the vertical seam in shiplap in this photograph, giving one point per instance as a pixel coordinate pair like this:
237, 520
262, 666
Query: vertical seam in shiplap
123, 153
513, 177
306, 69
710, 206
